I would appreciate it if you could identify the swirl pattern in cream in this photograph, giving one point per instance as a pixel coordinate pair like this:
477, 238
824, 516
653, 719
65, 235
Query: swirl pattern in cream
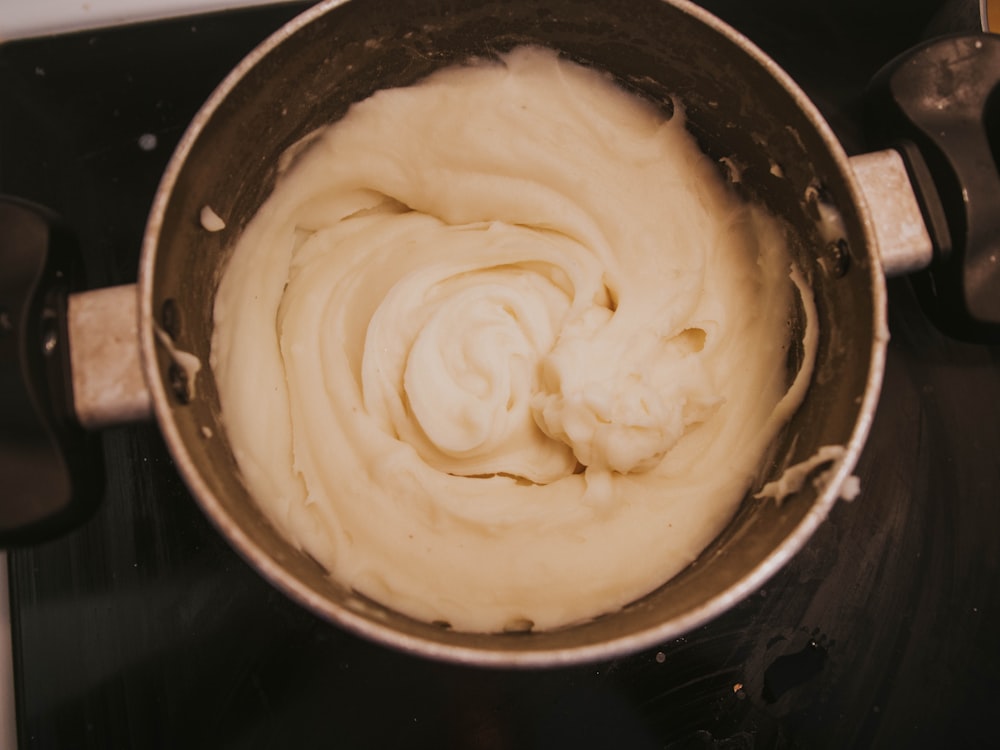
502, 347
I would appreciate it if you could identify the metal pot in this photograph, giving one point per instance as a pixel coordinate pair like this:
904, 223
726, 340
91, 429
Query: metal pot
740, 106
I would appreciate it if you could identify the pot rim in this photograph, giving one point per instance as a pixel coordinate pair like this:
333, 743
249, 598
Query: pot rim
372, 630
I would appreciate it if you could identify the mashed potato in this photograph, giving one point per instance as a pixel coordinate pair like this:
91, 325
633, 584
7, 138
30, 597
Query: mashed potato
502, 348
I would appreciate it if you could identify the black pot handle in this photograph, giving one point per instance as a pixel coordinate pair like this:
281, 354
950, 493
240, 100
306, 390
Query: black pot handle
939, 105
51, 469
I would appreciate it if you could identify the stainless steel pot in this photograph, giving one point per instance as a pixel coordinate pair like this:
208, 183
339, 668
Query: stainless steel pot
741, 107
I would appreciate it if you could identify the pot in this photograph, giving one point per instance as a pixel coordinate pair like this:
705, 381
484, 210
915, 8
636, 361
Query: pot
850, 222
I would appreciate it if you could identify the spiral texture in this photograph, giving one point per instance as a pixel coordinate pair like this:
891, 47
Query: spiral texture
502, 348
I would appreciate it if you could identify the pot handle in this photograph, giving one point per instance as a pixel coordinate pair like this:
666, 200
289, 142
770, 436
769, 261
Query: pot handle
51, 469
939, 106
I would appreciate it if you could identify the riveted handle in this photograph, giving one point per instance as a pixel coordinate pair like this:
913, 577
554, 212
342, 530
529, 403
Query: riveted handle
939, 105
51, 472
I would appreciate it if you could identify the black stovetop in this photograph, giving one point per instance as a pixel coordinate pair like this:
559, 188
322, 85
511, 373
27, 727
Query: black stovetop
143, 629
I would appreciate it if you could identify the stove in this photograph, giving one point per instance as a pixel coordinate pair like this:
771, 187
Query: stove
143, 629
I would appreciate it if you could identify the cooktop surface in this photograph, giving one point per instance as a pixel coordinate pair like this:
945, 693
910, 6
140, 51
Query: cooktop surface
143, 629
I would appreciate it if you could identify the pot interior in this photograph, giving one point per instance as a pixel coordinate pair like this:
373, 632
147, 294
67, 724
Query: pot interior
740, 110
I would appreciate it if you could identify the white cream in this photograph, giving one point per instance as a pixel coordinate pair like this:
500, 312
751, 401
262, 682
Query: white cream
794, 477
188, 362
502, 350
211, 221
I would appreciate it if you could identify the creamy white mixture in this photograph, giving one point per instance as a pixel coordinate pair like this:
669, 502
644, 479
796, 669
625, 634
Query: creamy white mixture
794, 477
503, 348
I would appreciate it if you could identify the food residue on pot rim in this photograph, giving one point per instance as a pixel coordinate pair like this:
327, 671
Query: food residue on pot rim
188, 362
210, 220
794, 477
